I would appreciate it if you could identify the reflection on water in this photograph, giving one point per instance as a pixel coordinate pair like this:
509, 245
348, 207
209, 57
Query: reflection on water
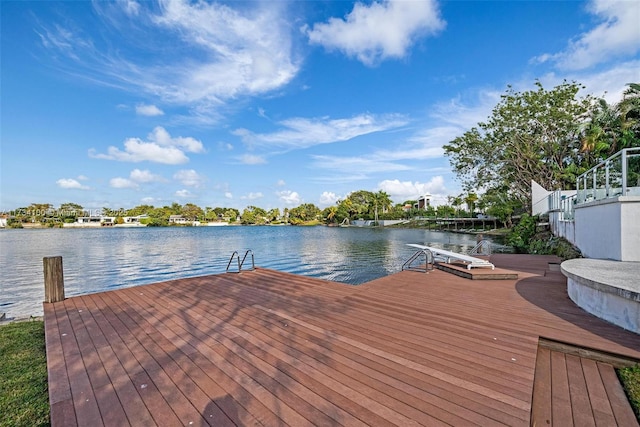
110, 258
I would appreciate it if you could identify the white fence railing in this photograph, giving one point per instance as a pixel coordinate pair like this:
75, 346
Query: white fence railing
619, 175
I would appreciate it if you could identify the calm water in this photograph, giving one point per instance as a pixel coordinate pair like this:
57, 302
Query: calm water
110, 258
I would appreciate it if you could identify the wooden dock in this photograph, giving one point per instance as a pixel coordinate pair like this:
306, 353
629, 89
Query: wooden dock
271, 348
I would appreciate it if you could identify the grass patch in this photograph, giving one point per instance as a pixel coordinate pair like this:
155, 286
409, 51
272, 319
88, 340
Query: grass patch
630, 379
24, 397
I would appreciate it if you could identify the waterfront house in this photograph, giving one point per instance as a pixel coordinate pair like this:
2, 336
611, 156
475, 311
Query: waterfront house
423, 202
178, 219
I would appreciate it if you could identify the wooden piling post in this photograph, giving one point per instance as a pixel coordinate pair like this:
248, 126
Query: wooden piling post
53, 279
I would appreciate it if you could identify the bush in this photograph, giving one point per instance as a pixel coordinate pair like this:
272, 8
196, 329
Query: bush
521, 234
546, 243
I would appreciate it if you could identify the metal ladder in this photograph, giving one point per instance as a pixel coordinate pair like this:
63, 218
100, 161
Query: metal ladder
241, 263
482, 248
428, 261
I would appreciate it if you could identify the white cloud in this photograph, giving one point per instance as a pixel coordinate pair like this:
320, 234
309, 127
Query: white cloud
252, 159
303, 133
328, 198
362, 164
183, 194
289, 197
211, 52
122, 183
70, 183
189, 177
281, 183
82, 178
252, 196
160, 148
407, 190
228, 195
138, 175
379, 30
609, 83
131, 7
148, 110
464, 114
617, 35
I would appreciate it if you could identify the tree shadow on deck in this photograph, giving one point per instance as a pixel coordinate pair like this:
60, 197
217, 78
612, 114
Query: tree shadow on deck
549, 293
240, 330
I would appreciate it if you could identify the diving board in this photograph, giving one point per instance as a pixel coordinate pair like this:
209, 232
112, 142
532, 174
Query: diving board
448, 256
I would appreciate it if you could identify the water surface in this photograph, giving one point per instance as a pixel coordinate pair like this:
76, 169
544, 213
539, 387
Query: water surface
110, 258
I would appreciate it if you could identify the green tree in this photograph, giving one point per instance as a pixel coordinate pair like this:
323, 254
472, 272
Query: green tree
303, 213
231, 214
273, 215
254, 215
330, 213
521, 233
444, 211
471, 199
379, 201
192, 212
611, 128
175, 208
140, 210
69, 212
37, 212
456, 202
358, 203
532, 135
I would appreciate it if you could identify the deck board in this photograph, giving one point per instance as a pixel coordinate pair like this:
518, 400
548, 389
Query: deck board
270, 348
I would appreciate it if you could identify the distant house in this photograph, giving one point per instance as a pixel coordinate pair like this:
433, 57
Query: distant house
3, 221
424, 202
93, 221
178, 219
134, 219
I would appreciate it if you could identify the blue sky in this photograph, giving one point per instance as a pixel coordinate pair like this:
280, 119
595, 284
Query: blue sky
275, 104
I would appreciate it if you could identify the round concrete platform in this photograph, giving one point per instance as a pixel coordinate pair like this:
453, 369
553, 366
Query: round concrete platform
607, 289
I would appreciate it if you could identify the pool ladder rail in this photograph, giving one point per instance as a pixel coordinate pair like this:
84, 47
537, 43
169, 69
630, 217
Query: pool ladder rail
236, 255
425, 267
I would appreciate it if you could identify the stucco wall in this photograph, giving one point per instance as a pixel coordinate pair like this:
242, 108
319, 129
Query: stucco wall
560, 228
609, 228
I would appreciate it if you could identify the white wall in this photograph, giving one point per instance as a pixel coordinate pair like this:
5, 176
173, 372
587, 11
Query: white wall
562, 228
609, 228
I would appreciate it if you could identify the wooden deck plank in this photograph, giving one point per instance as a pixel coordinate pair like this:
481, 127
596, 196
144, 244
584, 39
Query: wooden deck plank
602, 411
617, 398
560, 397
333, 349
580, 404
541, 403
273, 348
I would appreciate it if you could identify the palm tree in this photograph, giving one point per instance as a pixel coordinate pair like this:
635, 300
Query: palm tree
457, 202
629, 109
612, 128
380, 200
471, 200
333, 210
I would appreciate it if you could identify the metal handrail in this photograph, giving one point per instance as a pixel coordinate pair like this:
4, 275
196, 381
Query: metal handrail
253, 264
609, 178
234, 254
428, 264
241, 263
483, 247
